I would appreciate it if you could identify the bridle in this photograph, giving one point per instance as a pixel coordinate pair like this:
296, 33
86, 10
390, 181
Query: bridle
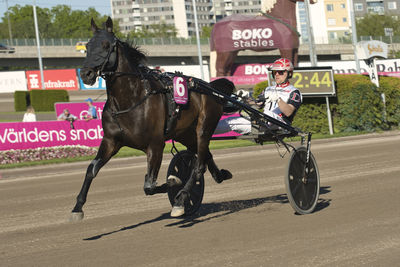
113, 46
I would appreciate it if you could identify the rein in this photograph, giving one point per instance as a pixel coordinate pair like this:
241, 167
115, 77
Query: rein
108, 74
148, 94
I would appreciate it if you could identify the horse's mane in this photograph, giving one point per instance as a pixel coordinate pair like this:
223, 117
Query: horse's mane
133, 53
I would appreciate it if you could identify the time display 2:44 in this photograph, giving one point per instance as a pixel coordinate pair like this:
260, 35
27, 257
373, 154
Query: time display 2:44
314, 82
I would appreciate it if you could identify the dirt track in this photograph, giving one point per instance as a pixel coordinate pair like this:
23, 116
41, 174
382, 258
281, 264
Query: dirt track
246, 221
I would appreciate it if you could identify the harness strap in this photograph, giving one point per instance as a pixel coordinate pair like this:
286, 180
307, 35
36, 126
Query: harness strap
153, 92
108, 56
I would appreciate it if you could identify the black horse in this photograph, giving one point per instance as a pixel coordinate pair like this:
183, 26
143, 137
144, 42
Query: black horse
136, 113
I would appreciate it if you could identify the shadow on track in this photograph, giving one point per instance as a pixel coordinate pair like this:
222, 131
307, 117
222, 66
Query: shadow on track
227, 207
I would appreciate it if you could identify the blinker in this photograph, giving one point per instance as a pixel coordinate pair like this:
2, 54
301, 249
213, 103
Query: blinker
97, 57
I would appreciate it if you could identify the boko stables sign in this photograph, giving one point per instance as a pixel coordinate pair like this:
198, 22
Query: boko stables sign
53, 79
240, 32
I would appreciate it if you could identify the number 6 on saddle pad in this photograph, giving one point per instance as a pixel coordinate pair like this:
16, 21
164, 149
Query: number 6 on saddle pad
180, 90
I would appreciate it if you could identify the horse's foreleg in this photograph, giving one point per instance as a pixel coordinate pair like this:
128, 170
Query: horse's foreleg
106, 150
154, 158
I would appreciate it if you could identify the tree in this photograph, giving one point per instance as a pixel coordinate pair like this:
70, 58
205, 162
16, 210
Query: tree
206, 31
22, 23
373, 25
57, 22
161, 30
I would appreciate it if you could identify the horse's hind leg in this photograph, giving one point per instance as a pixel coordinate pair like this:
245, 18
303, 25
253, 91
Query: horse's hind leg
204, 131
219, 175
107, 149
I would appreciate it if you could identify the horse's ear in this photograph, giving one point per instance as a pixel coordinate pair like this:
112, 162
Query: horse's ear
94, 26
109, 25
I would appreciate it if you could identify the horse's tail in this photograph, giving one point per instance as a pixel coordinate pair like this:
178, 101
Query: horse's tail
223, 85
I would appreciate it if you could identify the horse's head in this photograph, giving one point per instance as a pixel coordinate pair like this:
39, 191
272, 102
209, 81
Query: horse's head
101, 53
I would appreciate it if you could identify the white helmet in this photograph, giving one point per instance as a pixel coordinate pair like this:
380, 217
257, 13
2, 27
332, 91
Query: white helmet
283, 64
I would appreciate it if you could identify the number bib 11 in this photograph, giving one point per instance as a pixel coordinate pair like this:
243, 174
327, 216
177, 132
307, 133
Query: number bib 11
180, 91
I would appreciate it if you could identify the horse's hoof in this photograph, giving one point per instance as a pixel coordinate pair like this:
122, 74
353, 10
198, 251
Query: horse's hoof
173, 180
226, 175
177, 211
149, 191
223, 175
76, 216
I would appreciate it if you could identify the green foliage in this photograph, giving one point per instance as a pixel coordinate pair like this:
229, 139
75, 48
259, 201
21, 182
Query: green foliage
160, 30
258, 88
393, 54
360, 109
390, 86
359, 106
373, 25
206, 31
21, 100
58, 22
312, 117
44, 100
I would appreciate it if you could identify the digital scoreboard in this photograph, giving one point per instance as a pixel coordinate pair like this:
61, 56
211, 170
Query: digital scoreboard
317, 81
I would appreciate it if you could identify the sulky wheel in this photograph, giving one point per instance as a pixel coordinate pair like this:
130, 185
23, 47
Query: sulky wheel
302, 182
181, 166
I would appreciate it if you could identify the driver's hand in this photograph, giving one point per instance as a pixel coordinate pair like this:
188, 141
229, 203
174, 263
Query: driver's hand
271, 96
243, 93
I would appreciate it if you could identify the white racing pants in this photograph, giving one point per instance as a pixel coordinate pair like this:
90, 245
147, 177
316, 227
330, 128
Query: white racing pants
240, 124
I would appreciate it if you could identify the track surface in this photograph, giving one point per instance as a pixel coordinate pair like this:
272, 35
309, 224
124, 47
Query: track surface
246, 221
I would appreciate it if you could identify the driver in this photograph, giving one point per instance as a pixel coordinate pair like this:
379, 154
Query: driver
280, 101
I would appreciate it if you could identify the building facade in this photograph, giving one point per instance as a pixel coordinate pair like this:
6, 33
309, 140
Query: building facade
133, 14
330, 19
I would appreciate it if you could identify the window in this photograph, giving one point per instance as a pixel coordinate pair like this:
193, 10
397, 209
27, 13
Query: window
332, 35
343, 5
358, 7
392, 5
344, 19
329, 7
331, 22
376, 8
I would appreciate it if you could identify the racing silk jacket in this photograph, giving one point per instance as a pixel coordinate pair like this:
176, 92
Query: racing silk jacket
289, 94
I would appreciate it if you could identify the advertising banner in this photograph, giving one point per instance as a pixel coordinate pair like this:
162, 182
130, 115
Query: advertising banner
100, 83
27, 135
11, 81
80, 110
244, 80
53, 79
245, 74
240, 32
387, 67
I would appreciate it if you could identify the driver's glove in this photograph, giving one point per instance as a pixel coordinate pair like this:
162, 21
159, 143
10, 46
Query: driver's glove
271, 96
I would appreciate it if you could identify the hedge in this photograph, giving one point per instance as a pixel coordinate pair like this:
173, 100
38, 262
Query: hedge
41, 100
21, 100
